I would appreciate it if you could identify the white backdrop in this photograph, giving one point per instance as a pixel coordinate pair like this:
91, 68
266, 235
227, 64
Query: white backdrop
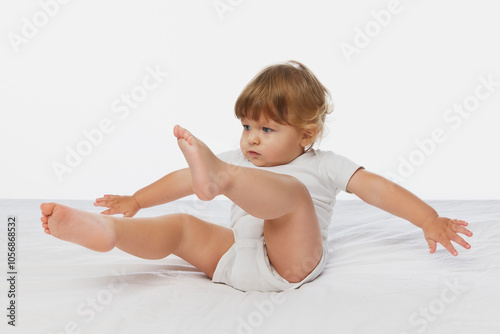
91, 90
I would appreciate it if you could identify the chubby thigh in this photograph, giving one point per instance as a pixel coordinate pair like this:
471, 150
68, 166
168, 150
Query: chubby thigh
294, 243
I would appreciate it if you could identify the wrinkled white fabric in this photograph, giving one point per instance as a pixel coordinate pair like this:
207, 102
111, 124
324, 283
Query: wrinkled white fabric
379, 278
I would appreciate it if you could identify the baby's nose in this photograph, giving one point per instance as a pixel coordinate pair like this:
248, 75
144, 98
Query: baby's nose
253, 138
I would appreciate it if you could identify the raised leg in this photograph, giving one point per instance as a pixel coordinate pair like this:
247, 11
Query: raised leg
200, 243
291, 228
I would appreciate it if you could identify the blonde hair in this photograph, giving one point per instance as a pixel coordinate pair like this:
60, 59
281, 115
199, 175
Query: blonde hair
287, 93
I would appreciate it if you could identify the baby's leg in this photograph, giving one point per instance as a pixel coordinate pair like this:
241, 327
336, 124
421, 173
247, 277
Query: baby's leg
200, 243
291, 228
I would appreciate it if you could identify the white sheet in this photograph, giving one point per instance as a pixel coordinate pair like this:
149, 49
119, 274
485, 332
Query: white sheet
379, 279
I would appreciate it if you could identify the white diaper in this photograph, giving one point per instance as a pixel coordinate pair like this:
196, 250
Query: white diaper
245, 266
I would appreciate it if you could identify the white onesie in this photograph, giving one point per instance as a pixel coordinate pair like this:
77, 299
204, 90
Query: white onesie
245, 266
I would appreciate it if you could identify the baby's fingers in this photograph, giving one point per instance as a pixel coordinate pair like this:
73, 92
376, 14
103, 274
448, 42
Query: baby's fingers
447, 244
106, 201
459, 240
458, 227
459, 222
432, 245
463, 230
99, 202
106, 197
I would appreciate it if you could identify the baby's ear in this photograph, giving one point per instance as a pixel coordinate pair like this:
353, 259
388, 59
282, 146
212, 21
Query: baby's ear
309, 133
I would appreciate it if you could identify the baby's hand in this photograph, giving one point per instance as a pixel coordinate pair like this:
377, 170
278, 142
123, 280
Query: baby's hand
125, 205
445, 230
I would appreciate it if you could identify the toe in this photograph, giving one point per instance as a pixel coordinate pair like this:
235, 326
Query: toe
188, 136
182, 133
178, 131
47, 208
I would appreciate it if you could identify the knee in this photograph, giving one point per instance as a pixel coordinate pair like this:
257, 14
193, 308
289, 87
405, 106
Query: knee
295, 183
182, 224
299, 188
190, 228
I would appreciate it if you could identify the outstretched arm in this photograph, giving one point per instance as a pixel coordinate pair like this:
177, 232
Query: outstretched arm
388, 196
169, 188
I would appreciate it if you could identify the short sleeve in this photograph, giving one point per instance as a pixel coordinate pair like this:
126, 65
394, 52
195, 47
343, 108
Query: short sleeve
338, 168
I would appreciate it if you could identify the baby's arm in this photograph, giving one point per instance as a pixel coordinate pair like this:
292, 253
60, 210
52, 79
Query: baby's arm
169, 188
388, 196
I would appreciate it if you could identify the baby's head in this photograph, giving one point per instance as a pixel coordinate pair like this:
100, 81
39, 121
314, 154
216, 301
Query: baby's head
288, 94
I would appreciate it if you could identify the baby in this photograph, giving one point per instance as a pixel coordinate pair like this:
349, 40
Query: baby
283, 192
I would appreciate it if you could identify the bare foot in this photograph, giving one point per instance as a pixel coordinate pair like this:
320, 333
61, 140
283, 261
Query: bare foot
86, 229
209, 174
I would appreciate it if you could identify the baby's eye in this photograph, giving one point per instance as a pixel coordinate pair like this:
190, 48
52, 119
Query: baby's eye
246, 127
267, 130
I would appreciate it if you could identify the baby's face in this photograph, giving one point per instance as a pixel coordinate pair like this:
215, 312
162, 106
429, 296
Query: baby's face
267, 143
